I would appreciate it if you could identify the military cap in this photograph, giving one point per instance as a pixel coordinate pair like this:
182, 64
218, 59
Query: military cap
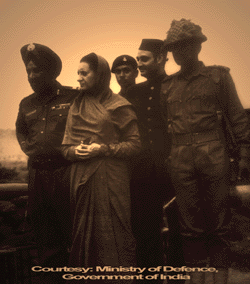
124, 60
43, 56
181, 31
152, 45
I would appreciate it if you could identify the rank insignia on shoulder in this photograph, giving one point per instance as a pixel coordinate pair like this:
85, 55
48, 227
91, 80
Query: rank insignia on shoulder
221, 67
70, 88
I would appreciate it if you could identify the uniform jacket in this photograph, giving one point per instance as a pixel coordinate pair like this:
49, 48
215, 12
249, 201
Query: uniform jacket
190, 103
40, 126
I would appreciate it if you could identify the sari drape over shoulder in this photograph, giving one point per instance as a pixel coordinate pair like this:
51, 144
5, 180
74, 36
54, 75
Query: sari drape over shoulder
100, 193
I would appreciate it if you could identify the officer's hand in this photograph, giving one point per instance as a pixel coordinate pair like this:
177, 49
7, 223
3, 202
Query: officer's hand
29, 151
84, 151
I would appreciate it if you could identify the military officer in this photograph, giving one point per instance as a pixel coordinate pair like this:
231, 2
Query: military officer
125, 69
40, 128
195, 99
149, 186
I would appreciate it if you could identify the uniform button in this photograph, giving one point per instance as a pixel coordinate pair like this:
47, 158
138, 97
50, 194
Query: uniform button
150, 98
148, 108
150, 141
152, 88
164, 92
43, 118
41, 131
60, 114
149, 119
149, 130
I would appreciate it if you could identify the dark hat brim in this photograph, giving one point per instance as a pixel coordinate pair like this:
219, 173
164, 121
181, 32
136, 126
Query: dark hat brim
119, 61
171, 46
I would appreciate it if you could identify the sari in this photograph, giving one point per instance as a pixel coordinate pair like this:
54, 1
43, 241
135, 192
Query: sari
99, 191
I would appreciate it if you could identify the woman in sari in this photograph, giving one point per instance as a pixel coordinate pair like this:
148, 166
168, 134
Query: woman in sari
101, 136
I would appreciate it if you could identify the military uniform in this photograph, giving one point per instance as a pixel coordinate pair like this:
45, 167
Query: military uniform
124, 60
199, 161
40, 127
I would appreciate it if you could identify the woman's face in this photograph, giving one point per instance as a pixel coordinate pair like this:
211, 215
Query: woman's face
86, 76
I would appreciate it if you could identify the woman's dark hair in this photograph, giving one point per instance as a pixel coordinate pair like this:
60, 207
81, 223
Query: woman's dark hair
92, 60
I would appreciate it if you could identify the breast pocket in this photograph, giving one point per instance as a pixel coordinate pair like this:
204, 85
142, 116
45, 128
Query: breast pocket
31, 117
174, 107
202, 103
58, 118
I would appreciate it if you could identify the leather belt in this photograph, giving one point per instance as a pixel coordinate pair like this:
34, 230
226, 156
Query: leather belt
195, 138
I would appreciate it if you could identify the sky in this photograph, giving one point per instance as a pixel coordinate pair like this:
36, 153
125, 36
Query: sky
74, 28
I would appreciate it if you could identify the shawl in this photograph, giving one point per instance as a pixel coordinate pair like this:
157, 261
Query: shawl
90, 116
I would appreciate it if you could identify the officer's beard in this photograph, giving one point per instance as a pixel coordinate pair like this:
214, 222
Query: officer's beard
44, 90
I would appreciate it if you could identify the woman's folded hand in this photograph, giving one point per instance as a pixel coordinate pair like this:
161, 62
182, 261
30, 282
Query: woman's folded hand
84, 151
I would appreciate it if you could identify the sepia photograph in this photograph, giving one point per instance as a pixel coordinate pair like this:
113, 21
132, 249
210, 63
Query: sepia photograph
125, 141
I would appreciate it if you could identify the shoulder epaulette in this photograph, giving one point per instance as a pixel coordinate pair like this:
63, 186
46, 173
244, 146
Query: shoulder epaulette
215, 71
220, 67
29, 97
70, 88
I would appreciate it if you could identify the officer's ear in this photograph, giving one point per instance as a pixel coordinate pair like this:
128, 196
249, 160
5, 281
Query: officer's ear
160, 58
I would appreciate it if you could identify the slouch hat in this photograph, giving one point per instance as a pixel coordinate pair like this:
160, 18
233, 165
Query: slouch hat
183, 30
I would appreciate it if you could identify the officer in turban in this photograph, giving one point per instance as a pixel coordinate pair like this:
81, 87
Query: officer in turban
40, 128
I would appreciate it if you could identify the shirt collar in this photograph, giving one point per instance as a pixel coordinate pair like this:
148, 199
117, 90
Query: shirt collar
200, 70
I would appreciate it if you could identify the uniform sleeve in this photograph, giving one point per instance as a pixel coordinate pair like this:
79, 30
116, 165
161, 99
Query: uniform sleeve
126, 122
21, 129
27, 144
235, 111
